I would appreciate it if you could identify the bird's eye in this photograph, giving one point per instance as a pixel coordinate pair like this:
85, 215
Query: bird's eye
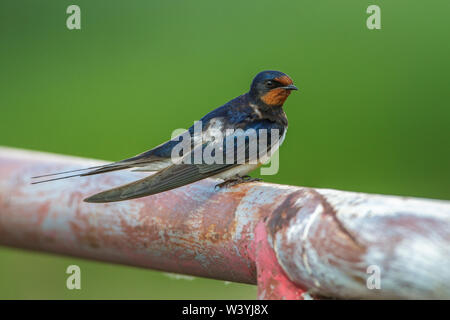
269, 84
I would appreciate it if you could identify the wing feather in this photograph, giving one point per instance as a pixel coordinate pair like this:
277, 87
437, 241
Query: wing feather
176, 175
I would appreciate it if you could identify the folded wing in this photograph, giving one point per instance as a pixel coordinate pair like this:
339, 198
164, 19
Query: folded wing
180, 174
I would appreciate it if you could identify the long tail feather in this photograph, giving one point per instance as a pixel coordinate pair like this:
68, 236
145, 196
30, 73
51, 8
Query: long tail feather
107, 169
101, 169
54, 179
64, 172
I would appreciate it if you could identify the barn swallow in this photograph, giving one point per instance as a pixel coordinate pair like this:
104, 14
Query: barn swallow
260, 108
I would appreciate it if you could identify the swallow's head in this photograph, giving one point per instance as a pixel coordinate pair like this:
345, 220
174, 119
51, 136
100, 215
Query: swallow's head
271, 87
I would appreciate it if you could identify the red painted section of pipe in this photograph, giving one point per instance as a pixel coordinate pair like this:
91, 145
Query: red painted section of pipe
273, 283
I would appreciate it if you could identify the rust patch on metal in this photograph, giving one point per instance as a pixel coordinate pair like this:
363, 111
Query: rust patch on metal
329, 210
283, 214
86, 236
220, 227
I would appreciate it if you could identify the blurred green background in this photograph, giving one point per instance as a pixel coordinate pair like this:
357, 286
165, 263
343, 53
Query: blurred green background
372, 114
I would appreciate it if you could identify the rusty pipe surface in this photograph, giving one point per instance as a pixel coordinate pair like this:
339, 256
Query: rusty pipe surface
293, 242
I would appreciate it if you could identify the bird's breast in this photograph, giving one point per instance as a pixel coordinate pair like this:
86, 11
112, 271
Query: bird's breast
240, 170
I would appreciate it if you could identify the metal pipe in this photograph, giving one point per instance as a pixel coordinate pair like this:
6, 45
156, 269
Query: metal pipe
292, 242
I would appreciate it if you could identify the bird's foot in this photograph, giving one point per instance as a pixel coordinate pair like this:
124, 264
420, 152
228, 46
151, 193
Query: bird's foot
250, 179
236, 180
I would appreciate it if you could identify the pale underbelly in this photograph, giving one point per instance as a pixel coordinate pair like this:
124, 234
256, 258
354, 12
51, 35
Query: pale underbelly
240, 170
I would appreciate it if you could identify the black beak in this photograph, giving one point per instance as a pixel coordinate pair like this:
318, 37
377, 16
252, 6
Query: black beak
290, 87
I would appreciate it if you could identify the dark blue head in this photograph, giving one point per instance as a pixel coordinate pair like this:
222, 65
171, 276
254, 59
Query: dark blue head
271, 87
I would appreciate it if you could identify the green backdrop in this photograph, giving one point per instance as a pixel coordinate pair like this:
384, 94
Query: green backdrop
372, 114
